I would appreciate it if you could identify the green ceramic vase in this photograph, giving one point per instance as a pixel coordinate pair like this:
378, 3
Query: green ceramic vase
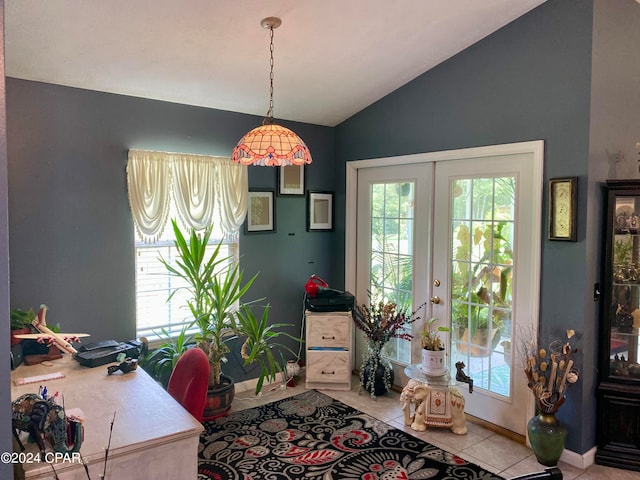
547, 437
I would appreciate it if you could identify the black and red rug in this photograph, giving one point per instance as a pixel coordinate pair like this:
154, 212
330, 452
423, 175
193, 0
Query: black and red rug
314, 437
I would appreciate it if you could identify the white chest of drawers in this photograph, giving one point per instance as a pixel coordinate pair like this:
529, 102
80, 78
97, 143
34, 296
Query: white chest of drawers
328, 349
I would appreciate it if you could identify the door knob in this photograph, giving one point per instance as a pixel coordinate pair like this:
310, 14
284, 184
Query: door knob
435, 299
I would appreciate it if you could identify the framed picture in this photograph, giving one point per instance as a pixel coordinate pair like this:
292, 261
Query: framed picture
291, 180
563, 198
320, 211
261, 216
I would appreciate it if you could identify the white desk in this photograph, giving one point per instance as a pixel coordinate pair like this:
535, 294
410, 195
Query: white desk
153, 436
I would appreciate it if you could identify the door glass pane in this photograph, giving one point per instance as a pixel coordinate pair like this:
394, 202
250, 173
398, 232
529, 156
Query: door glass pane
391, 242
482, 229
624, 345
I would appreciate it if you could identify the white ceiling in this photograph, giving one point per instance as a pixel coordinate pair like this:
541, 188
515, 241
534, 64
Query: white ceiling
332, 57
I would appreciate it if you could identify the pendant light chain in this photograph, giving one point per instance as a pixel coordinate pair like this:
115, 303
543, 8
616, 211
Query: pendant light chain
270, 144
270, 111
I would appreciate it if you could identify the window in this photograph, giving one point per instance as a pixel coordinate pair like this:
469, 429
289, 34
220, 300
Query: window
154, 284
199, 191
392, 252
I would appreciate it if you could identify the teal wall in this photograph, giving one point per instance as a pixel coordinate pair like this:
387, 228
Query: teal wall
71, 232
530, 80
71, 236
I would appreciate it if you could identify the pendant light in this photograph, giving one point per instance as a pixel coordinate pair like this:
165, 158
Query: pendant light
271, 144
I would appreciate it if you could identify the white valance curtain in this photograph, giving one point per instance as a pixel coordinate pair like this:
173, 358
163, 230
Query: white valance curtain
200, 186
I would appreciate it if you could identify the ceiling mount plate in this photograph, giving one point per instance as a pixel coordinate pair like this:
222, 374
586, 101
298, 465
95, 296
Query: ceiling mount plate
271, 22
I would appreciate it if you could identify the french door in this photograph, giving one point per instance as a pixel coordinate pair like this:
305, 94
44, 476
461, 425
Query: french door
394, 231
461, 231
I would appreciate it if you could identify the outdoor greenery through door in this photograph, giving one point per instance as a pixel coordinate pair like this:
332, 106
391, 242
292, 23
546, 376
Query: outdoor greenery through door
461, 228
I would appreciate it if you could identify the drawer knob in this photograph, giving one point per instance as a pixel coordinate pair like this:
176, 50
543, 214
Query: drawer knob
328, 338
328, 373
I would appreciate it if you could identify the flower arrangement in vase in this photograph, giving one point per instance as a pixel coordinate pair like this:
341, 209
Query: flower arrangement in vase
549, 373
380, 321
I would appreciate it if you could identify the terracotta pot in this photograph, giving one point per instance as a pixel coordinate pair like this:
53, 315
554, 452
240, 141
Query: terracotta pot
480, 345
18, 331
506, 346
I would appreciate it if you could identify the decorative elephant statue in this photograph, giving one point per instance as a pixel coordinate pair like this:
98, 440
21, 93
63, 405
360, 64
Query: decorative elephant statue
421, 395
34, 414
458, 417
431, 407
407, 398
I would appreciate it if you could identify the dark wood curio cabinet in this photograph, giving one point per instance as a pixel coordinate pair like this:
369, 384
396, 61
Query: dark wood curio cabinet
618, 426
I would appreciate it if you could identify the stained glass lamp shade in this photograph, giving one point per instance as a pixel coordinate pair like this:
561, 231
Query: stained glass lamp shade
271, 145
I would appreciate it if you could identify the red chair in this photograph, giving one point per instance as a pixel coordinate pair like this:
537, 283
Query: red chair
189, 381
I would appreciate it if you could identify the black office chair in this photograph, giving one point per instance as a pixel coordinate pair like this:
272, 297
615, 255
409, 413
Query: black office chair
549, 474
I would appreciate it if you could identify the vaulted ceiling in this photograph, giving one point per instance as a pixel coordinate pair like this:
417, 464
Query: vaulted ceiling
332, 57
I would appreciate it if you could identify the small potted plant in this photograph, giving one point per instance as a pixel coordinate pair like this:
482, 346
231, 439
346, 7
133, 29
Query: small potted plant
160, 362
20, 323
433, 351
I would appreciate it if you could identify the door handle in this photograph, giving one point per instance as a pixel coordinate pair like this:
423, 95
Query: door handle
435, 299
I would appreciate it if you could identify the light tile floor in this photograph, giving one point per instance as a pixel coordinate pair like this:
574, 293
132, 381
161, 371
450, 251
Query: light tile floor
481, 446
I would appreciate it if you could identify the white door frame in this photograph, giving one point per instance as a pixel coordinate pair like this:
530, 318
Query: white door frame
535, 148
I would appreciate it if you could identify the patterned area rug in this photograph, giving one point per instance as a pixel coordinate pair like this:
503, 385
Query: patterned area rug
312, 436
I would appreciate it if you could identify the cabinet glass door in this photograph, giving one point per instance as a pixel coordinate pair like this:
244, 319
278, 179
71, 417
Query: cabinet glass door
625, 283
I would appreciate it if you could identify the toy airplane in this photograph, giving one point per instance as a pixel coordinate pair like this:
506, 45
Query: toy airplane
61, 340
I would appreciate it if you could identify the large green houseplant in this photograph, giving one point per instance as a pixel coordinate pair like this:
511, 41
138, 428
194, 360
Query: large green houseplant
216, 286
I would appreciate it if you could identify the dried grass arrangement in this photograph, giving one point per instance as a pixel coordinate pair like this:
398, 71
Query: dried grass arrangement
550, 371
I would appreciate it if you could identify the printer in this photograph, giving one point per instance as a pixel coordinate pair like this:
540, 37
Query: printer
320, 298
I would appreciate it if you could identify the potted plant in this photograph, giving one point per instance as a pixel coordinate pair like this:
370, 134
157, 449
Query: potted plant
260, 343
160, 362
20, 321
380, 321
215, 288
479, 284
506, 351
433, 351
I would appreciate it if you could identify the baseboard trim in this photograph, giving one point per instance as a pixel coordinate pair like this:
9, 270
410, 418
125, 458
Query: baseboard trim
574, 459
497, 429
250, 385
577, 460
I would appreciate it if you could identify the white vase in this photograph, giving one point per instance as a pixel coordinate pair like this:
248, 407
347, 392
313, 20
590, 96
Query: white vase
433, 362
292, 368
